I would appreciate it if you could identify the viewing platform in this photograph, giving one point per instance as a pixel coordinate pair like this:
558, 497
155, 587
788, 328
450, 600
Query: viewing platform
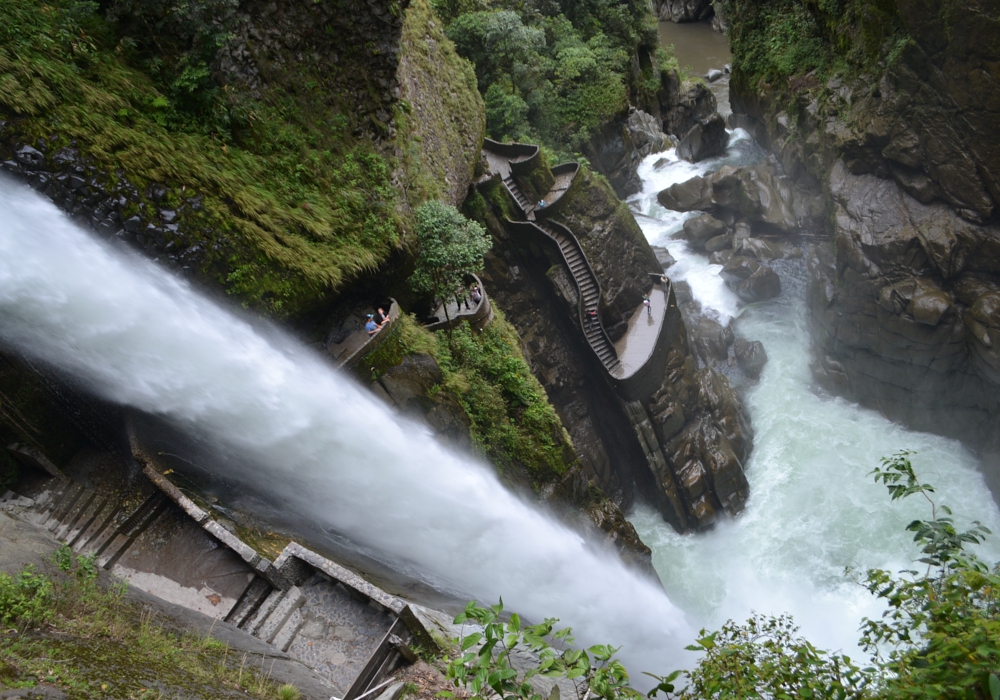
350, 350
478, 315
636, 362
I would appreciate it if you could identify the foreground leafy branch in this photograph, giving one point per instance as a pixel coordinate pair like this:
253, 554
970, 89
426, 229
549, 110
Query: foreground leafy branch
938, 638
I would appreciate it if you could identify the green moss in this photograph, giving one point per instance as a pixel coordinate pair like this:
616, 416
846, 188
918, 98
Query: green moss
292, 204
513, 422
440, 144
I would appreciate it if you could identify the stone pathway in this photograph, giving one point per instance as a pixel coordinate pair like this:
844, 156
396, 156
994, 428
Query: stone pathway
635, 347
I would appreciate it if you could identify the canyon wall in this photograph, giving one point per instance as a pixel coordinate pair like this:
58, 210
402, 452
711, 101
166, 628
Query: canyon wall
893, 121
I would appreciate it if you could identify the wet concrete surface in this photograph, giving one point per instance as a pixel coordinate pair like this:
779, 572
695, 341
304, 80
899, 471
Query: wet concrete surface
338, 632
635, 347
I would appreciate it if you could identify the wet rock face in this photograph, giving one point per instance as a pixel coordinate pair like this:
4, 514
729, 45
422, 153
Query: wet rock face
681, 104
684, 10
704, 437
618, 148
905, 310
751, 357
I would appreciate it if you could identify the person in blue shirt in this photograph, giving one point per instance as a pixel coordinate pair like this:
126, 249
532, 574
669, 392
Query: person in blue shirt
371, 326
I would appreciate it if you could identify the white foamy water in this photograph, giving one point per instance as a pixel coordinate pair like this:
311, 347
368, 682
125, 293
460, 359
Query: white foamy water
813, 508
658, 172
305, 437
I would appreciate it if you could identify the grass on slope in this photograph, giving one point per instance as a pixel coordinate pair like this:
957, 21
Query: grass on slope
65, 630
290, 209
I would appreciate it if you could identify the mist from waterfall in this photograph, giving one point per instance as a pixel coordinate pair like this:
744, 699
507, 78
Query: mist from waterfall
305, 437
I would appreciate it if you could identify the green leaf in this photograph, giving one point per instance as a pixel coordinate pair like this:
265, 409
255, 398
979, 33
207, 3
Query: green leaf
994, 687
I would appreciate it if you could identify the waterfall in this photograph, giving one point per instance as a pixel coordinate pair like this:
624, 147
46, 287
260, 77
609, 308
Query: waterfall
305, 436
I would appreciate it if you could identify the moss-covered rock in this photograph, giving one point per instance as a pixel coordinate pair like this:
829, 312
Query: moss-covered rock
441, 120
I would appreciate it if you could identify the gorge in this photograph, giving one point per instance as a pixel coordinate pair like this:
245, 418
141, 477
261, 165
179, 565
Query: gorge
849, 208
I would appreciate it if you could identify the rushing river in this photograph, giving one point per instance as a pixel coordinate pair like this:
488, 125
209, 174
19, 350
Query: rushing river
813, 509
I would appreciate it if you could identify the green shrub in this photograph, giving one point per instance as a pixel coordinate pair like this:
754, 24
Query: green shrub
25, 599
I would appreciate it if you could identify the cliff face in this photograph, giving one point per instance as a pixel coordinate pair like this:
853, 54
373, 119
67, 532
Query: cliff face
683, 445
904, 296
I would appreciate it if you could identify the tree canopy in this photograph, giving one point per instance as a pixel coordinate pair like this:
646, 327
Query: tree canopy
449, 246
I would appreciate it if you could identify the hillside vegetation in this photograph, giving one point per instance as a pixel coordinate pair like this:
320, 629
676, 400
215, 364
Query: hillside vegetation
281, 198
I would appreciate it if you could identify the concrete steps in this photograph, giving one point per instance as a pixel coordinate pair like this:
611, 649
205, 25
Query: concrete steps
590, 295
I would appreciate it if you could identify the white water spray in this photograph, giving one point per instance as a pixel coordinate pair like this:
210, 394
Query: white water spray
307, 436
813, 508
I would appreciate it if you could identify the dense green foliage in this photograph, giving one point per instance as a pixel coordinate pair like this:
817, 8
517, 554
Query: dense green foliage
773, 40
512, 419
291, 204
448, 246
552, 72
939, 636
512, 422
66, 630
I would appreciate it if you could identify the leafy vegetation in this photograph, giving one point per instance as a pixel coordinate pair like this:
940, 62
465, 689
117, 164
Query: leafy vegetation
938, 638
776, 40
283, 201
552, 72
512, 421
448, 247
68, 631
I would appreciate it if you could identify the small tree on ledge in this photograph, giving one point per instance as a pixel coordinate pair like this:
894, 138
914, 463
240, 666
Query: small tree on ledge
450, 246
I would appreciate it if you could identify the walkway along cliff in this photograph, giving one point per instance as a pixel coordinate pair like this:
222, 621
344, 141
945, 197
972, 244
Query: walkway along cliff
648, 415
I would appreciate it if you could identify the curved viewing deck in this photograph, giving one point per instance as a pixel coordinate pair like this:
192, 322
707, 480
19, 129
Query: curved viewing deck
476, 315
636, 363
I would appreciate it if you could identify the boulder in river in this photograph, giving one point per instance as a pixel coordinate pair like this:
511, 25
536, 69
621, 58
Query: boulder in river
750, 356
714, 74
702, 228
751, 280
706, 139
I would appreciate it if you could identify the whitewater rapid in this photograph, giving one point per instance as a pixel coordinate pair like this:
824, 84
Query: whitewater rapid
813, 508
300, 434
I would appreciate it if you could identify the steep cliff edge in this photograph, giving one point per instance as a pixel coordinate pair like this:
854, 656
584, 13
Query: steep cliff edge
888, 110
683, 444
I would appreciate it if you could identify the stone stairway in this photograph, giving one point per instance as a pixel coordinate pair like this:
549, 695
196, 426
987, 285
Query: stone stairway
350, 632
589, 287
522, 199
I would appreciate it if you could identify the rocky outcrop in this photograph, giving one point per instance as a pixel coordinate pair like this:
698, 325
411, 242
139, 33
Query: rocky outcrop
613, 243
684, 444
684, 10
903, 296
618, 147
442, 131
760, 195
905, 309
705, 139
680, 102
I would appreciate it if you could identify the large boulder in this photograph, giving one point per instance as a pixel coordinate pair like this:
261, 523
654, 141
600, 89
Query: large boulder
757, 193
750, 356
701, 229
751, 280
682, 103
691, 195
706, 139
618, 147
